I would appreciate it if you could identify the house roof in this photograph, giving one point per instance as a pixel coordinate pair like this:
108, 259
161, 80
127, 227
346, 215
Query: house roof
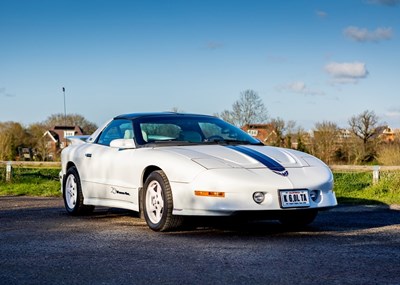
56, 133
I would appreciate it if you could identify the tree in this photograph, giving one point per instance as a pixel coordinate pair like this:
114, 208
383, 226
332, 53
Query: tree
364, 126
249, 109
12, 136
325, 140
279, 129
5, 146
38, 141
284, 132
70, 120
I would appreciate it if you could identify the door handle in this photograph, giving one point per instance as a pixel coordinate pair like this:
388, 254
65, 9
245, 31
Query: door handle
88, 154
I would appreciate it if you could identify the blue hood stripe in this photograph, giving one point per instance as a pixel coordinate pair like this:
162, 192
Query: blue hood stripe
262, 158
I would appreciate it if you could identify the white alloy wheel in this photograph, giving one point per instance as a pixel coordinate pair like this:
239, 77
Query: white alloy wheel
72, 194
71, 191
154, 202
158, 203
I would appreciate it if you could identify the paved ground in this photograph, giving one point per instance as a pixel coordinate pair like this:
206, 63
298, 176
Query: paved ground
40, 244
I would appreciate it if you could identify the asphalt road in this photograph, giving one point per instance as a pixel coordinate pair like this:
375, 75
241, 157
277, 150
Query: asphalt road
41, 244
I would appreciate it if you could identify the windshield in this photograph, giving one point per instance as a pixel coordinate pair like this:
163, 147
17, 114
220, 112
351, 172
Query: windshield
187, 129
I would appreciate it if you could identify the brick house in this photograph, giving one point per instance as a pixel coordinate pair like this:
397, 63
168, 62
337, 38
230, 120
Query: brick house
56, 138
264, 132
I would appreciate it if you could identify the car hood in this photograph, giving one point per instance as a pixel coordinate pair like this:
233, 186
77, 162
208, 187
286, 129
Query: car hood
246, 156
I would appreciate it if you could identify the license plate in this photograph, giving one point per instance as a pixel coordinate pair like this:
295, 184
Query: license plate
294, 198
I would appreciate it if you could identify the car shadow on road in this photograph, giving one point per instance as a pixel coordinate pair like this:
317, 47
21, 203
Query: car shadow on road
342, 219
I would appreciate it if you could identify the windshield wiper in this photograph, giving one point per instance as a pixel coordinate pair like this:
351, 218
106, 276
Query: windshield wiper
169, 143
232, 142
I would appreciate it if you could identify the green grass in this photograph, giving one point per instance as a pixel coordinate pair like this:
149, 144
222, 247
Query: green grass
350, 187
357, 188
31, 182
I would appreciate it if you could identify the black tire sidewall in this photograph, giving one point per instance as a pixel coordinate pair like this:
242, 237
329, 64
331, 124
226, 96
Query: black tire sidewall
73, 211
155, 176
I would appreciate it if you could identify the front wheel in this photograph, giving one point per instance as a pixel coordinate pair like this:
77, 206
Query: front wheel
72, 194
158, 203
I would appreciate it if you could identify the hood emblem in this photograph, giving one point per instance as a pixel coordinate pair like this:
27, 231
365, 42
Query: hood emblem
283, 173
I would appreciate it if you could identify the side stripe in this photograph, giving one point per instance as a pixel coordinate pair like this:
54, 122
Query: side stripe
262, 158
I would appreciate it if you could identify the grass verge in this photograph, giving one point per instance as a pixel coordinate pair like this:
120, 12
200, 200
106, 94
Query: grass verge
31, 182
357, 188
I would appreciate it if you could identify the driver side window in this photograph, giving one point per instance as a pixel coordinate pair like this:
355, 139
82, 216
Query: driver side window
117, 129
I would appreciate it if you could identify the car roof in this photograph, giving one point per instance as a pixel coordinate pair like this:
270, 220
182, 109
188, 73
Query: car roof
132, 116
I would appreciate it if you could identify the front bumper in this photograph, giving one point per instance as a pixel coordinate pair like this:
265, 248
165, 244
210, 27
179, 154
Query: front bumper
239, 186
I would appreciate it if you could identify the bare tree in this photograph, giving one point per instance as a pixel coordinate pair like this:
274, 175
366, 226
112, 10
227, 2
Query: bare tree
364, 126
325, 140
249, 109
70, 120
284, 132
279, 129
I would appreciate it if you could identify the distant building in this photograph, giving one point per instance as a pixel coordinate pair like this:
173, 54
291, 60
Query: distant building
387, 134
57, 138
264, 132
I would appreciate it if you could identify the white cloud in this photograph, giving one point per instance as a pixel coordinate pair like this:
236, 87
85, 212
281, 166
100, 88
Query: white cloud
364, 35
347, 72
300, 87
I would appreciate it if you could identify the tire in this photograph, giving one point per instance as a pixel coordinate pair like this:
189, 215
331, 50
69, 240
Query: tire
158, 203
72, 194
299, 218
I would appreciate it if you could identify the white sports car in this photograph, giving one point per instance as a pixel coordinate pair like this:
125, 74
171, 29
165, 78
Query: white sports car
168, 166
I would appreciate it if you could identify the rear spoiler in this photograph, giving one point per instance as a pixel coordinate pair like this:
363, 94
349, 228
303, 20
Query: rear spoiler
78, 139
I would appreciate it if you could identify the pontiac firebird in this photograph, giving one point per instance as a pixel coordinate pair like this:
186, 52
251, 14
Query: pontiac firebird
169, 166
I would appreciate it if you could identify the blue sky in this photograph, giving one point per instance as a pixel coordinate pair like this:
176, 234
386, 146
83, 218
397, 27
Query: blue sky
309, 61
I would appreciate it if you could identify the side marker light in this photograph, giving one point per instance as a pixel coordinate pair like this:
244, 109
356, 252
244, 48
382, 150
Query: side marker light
209, 194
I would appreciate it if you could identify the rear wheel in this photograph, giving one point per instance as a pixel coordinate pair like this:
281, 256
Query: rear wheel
298, 218
158, 203
72, 194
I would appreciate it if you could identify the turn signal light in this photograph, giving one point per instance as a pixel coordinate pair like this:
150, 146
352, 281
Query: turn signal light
210, 194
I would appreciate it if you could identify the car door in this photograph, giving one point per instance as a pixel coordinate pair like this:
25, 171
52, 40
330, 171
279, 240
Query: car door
108, 171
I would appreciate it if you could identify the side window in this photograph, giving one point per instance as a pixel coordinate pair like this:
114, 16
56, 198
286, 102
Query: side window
160, 132
117, 129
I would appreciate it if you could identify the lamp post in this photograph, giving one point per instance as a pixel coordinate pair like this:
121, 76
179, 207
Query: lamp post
65, 116
65, 108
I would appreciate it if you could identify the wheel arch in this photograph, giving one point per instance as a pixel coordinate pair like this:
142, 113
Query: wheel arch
146, 172
69, 165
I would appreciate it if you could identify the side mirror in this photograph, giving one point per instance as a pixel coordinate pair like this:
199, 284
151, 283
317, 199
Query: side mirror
123, 143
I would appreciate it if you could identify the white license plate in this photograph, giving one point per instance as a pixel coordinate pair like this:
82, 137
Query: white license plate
294, 198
